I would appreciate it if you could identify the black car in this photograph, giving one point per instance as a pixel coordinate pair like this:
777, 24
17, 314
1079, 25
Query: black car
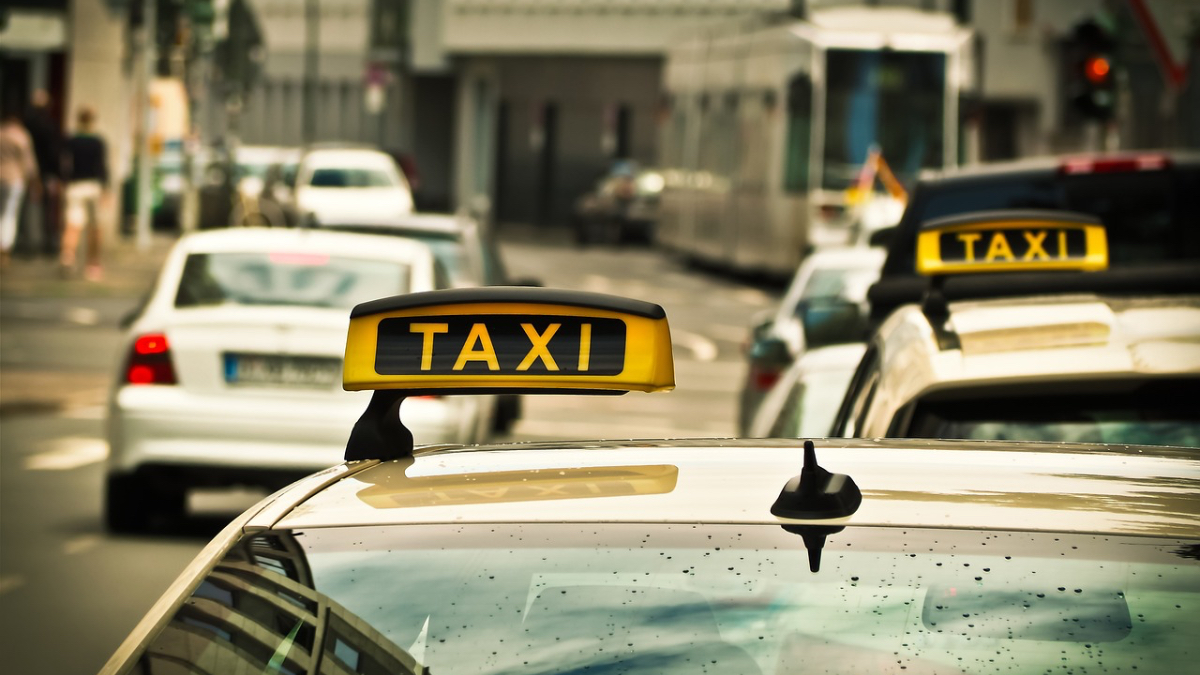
1147, 203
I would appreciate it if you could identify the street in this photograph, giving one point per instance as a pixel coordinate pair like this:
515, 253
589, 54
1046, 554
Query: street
70, 592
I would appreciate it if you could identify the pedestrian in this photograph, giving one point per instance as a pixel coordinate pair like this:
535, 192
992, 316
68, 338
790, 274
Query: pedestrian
18, 172
86, 157
46, 227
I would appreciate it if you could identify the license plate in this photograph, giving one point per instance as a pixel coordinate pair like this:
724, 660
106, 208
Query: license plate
273, 370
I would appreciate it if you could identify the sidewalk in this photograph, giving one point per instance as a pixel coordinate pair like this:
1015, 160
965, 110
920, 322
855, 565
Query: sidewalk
128, 272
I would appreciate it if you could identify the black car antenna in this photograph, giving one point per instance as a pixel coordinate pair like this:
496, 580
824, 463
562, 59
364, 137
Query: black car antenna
816, 494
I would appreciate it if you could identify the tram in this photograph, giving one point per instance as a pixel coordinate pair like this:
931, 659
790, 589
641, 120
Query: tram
769, 129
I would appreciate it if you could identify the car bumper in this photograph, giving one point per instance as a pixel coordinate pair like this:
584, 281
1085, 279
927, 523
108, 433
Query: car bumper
151, 426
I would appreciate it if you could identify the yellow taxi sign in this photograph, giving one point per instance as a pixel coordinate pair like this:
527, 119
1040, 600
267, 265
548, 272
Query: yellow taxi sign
1007, 241
507, 338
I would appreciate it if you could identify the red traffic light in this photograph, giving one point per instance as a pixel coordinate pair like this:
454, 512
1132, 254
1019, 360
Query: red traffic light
1097, 69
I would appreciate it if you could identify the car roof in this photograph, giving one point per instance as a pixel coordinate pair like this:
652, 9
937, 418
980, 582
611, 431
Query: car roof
940, 484
848, 257
1048, 163
432, 223
268, 239
831, 357
1049, 338
342, 157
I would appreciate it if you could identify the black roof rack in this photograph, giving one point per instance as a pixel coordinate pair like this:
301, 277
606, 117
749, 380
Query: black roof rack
1162, 278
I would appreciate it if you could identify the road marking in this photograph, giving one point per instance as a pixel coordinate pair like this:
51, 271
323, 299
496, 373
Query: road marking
753, 296
84, 316
10, 582
597, 283
728, 333
81, 544
68, 453
701, 347
91, 412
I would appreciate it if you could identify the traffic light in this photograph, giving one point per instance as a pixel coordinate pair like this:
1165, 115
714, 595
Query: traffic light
239, 56
1091, 76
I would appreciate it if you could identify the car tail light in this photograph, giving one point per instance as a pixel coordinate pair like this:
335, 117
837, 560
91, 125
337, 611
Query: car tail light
763, 378
150, 361
1115, 164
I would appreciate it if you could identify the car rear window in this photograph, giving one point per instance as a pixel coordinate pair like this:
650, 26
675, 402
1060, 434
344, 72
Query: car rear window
687, 598
851, 284
351, 178
287, 278
1149, 216
1121, 412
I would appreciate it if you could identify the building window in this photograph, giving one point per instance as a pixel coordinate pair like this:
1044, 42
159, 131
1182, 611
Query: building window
799, 134
1022, 16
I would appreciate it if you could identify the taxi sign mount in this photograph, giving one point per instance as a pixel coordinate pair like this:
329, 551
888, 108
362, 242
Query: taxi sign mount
496, 340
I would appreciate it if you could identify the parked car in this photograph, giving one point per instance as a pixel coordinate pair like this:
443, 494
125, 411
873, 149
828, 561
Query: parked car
340, 183
622, 206
824, 305
231, 371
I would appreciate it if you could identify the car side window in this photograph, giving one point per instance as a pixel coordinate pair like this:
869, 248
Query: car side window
862, 403
441, 278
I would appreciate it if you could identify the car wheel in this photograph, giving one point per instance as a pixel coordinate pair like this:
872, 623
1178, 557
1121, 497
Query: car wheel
131, 505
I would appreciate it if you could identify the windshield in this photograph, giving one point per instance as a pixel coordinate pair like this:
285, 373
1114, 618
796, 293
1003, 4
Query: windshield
851, 284
891, 100
283, 278
729, 599
351, 178
1153, 413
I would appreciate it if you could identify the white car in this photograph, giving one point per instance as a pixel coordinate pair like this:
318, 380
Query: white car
825, 304
1023, 335
1078, 368
805, 400
651, 557
231, 374
338, 184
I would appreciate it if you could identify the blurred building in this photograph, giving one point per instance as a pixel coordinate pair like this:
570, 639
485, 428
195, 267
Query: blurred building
523, 103
518, 105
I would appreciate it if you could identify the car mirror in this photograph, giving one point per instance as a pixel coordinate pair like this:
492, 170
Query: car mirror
770, 351
831, 321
